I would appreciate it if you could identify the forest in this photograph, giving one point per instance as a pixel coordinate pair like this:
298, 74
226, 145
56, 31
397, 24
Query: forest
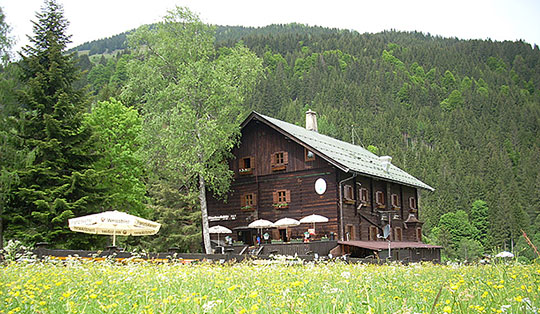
461, 115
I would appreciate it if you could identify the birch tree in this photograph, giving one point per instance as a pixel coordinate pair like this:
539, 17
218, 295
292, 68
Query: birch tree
190, 95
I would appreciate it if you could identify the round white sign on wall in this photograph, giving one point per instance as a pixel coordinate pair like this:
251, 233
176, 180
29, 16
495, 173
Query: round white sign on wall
320, 186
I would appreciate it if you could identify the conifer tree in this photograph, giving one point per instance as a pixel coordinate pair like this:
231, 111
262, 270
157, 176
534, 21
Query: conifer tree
57, 182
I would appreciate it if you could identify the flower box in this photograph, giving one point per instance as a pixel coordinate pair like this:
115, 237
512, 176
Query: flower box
278, 167
247, 208
280, 205
245, 171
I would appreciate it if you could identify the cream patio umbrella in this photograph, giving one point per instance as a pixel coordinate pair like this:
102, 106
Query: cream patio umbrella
114, 223
219, 229
259, 224
286, 223
313, 219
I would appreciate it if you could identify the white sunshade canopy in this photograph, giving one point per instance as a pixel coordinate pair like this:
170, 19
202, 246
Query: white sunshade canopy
505, 254
261, 223
219, 229
313, 219
114, 223
286, 222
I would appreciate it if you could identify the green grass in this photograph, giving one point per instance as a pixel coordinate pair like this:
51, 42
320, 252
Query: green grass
106, 287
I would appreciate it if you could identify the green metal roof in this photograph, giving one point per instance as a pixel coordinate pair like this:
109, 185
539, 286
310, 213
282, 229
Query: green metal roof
345, 156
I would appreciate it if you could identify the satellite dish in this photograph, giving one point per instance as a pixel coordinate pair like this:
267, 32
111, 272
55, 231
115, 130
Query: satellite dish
386, 231
320, 186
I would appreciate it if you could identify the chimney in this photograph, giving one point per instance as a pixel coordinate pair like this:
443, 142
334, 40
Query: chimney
385, 162
311, 120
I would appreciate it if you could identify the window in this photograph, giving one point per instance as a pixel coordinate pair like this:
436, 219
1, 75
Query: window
412, 204
281, 199
398, 234
379, 198
282, 196
308, 155
348, 194
373, 232
245, 166
279, 160
419, 234
248, 201
395, 201
364, 195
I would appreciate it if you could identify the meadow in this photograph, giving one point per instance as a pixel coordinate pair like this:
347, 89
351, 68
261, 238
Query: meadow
142, 287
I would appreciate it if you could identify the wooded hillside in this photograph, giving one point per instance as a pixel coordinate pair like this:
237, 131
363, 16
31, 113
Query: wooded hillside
461, 115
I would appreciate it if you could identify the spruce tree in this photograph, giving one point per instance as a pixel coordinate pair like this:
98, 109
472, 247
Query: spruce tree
58, 181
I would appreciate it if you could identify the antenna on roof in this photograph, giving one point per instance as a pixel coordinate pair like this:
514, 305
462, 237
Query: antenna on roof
353, 135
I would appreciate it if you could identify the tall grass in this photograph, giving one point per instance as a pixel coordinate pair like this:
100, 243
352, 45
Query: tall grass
106, 287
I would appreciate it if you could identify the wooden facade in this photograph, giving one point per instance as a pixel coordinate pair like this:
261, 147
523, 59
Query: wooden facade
275, 178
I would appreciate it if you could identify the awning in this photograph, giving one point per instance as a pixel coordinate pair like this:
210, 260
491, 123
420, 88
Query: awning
383, 245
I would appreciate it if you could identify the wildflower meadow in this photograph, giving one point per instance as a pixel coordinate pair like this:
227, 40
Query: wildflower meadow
248, 287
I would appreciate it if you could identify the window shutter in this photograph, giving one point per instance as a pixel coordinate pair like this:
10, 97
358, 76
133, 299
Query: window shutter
364, 194
251, 164
288, 196
275, 197
273, 159
243, 200
380, 197
395, 200
285, 157
254, 198
348, 192
412, 203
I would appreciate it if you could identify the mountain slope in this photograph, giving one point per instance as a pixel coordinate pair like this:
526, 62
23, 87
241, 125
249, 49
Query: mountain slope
461, 115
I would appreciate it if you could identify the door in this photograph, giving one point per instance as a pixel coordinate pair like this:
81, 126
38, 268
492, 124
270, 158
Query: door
245, 236
283, 234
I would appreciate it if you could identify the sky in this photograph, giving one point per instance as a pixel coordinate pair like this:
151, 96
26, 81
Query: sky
465, 19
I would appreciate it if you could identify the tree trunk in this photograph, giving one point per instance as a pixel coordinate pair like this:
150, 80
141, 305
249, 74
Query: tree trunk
204, 215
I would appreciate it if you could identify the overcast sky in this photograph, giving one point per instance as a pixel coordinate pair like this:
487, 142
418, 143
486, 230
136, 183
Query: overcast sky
470, 19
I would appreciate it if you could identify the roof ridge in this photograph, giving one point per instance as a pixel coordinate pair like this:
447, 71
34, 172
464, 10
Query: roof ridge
344, 155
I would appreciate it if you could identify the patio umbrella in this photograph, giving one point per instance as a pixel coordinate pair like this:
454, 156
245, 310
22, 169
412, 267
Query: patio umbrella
260, 224
285, 223
114, 223
313, 219
505, 254
219, 229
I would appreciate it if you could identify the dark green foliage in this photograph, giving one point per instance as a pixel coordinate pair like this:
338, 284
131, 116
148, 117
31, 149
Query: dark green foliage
480, 220
180, 217
5, 40
58, 181
455, 100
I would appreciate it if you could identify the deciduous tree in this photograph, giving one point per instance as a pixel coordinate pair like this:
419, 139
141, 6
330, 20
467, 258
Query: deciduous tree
118, 135
190, 96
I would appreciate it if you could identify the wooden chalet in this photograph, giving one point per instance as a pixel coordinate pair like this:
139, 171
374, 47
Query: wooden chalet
277, 167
